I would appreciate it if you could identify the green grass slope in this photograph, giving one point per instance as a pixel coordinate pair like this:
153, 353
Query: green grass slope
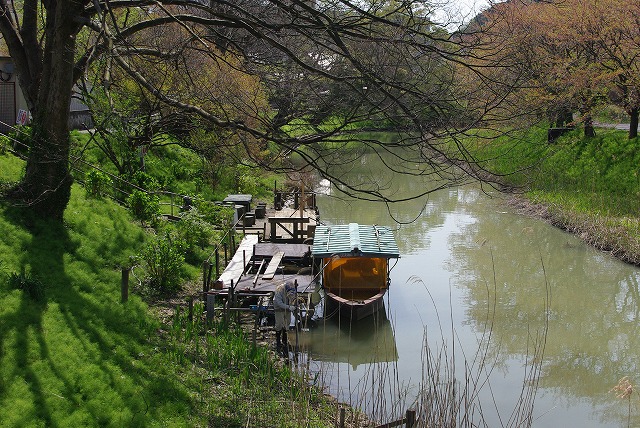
588, 186
71, 354
78, 357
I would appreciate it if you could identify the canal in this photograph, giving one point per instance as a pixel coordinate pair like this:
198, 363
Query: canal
480, 290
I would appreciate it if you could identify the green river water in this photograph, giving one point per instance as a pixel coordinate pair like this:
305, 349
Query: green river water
475, 275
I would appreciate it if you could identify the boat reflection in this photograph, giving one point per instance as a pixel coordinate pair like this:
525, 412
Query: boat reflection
339, 340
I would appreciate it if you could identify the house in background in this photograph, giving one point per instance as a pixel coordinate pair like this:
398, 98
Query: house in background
12, 102
13, 106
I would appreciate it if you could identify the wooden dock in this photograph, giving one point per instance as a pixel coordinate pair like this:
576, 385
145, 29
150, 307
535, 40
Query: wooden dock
238, 264
275, 248
284, 225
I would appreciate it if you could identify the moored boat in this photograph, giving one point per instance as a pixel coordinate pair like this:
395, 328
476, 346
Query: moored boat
354, 261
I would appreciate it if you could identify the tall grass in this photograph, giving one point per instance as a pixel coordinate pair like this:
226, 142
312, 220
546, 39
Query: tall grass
246, 385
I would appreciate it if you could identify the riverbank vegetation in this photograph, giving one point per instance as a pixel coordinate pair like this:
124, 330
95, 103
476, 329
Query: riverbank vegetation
73, 355
586, 185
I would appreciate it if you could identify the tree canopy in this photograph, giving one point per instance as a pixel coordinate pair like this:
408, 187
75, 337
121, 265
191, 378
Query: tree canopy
273, 80
570, 55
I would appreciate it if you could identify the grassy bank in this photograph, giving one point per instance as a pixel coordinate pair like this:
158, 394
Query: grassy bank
588, 186
71, 354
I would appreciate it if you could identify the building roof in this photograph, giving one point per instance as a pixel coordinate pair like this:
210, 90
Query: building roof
354, 239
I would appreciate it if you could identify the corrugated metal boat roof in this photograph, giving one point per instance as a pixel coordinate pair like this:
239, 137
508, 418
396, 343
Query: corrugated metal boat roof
354, 239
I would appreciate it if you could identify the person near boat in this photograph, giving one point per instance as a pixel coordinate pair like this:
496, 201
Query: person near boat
283, 296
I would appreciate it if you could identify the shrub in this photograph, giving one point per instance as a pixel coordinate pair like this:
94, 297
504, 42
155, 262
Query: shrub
30, 285
96, 183
194, 231
144, 181
217, 215
21, 139
143, 206
246, 179
163, 260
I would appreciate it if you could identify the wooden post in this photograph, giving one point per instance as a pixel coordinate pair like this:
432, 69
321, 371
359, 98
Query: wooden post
190, 303
255, 326
225, 253
217, 264
209, 277
205, 274
230, 298
411, 418
342, 417
211, 301
244, 261
301, 200
124, 285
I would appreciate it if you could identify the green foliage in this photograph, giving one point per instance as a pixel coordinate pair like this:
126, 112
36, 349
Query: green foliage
600, 174
5, 143
606, 167
195, 232
163, 260
21, 139
85, 359
97, 183
144, 181
217, 215
246, 179
144, 206
253, 380
30, 285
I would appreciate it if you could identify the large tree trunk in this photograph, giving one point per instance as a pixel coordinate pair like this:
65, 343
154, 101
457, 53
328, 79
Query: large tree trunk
633, 123
46, 186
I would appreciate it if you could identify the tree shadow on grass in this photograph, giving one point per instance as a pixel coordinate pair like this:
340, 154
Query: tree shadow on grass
83, 358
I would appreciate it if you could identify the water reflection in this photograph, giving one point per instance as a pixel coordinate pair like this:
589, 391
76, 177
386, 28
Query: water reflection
469, 265
593, 338
358, 344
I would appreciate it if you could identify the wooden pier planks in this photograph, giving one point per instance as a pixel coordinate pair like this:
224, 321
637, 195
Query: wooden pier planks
270, 272
237, 265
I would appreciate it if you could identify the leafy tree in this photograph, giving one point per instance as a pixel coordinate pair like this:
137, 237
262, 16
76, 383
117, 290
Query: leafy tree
569, 55
382, 60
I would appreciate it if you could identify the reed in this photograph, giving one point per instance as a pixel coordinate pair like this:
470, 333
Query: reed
245, 385
454, 387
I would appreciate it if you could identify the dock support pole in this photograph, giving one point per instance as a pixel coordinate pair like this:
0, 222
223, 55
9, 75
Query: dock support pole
255, 326
342, 417
205, 275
